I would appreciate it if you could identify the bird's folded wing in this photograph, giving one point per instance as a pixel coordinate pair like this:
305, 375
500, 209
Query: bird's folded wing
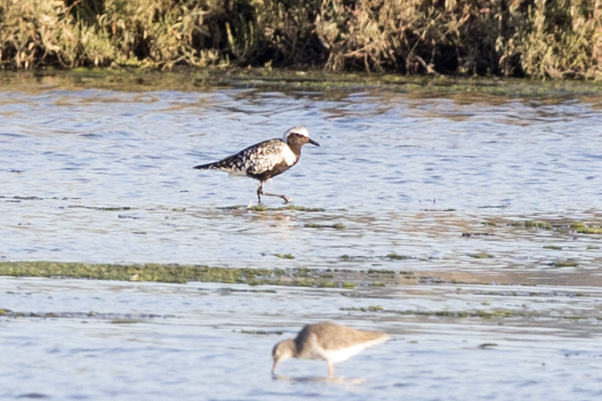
265, 156
348, 337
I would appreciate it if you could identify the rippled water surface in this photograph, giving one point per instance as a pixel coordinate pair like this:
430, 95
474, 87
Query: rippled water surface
141, 341
103, 176
464, 191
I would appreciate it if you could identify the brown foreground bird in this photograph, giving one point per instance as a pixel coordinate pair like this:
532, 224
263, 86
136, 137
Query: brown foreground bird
327, 341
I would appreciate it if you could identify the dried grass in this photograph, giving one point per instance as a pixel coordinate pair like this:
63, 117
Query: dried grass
538, 38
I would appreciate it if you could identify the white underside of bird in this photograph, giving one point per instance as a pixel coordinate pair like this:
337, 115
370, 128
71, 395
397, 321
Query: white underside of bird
340, 355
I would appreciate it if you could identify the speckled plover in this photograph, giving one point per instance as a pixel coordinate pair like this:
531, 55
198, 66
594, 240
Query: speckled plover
327, 341
266, 159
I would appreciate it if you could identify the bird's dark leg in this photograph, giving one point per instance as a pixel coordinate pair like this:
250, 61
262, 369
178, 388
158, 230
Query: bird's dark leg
260, 192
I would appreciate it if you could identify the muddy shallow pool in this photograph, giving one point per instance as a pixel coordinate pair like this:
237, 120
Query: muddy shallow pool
488, 211
119, 340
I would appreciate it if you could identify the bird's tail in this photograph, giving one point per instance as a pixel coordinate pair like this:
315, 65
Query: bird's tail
210, 166
226, 165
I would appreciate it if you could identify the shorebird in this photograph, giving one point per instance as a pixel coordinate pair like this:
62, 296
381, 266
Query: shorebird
266, 159
327, 341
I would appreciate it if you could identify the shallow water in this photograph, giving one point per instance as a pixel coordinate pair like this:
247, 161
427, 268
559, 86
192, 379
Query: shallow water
105, 176
115, 340
439, 186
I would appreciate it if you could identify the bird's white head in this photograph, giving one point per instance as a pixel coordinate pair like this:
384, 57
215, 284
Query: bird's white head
296, 130
282, 351
299, 135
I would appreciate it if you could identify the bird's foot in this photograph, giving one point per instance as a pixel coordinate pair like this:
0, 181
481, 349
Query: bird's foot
287, 199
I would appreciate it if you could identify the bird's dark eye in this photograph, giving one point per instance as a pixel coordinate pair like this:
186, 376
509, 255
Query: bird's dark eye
298, 135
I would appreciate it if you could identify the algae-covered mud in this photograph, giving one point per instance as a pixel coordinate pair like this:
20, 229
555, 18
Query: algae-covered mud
468, 225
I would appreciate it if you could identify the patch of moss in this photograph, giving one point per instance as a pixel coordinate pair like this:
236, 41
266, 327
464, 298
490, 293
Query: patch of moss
481, 255
284, 256
336, 226
125, 321
502, 313
497, 313
469, 234
348, 258
174, 273
554, 247
590, 230
395, 256
27, 198
541, 225
236, 207
375, 308
302, 208
565, 263
261, 332
381, 271
104, 209
263, 208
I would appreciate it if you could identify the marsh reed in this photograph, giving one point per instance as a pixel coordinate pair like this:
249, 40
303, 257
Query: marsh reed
534, 38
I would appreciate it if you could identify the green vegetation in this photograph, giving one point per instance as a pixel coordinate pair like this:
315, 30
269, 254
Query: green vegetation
284, 256
481, 255
590, 230
174, 273
336, 226
394, 256
363, 309
538, 38
503, 313
540, 225
580, 227
488, 223
263, 208
125, 321
261, 332
565, 263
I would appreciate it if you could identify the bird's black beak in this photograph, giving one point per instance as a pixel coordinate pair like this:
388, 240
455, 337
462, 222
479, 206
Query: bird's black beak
312, 142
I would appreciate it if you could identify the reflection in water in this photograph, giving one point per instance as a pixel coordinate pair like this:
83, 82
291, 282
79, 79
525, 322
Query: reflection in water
310, 379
